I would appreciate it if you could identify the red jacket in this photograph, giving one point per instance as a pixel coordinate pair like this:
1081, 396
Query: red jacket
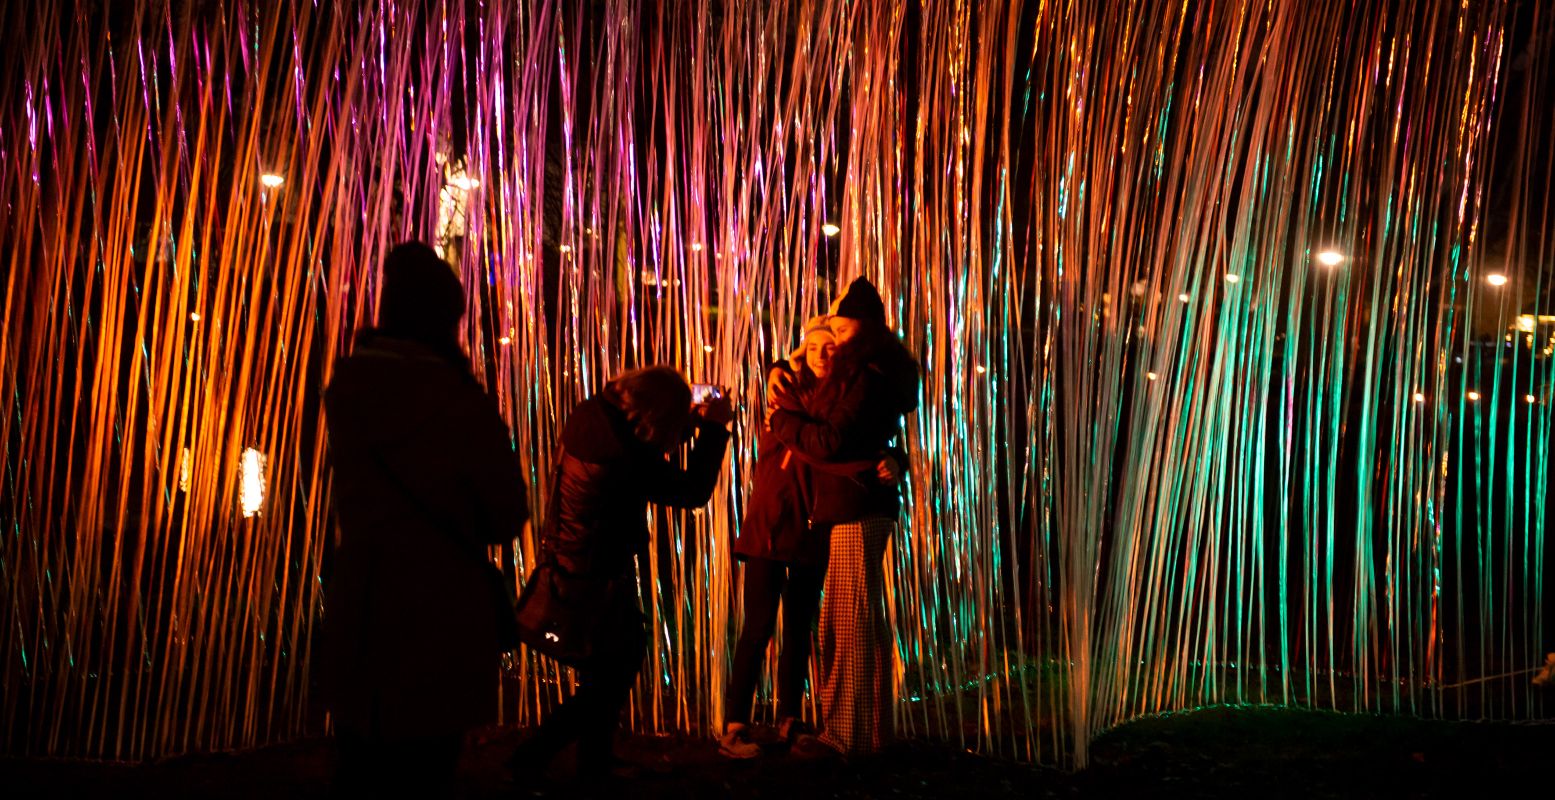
777, 525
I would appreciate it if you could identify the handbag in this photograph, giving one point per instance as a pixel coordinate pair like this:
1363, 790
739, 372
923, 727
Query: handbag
561, 614
564, 616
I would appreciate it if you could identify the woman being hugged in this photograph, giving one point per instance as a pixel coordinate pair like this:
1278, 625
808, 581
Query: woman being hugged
854, 415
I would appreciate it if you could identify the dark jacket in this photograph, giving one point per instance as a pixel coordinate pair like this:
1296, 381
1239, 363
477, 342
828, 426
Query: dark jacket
607, 479
854, 417
425, 478
776, 525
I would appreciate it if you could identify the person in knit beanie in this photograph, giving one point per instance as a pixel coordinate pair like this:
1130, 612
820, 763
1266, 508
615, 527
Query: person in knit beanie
855, 413
861, 302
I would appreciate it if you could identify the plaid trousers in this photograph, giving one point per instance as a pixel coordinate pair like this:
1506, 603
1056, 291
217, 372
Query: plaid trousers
855, 640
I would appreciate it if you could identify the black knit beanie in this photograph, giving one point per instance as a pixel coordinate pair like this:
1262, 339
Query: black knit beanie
423, 299
862, 302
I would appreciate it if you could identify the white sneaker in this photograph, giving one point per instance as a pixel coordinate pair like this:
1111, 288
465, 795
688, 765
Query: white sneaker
736, 743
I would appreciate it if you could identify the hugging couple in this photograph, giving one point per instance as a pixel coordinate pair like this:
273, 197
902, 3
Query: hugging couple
823, 505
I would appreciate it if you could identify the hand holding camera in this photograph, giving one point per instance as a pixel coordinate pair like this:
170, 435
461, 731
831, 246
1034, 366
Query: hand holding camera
711, 403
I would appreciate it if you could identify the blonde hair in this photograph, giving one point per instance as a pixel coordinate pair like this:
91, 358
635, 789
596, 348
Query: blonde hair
657, 401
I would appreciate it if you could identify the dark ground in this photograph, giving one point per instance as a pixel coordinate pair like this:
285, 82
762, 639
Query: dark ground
1209, 753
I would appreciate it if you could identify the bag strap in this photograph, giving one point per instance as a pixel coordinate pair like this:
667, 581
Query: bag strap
553, 504
426, 511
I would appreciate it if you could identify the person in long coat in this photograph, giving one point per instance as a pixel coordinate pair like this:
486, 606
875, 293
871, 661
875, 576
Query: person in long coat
424, 479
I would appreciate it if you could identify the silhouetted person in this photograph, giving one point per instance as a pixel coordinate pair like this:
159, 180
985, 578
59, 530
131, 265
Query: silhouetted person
425, 478
614, 463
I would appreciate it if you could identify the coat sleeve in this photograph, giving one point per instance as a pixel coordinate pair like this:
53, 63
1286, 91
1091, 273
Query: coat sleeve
669, 485
494, 475
833, 432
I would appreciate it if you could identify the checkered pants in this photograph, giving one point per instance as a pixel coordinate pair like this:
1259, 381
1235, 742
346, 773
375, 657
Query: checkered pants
855, 640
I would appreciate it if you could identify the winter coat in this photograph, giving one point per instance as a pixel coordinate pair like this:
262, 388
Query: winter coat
854, 416
776, 525
425, 478
607, 478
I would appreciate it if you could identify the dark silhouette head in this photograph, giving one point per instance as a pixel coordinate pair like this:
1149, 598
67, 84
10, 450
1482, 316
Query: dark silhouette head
422, 299
862, 302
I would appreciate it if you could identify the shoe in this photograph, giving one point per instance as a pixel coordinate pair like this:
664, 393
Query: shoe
791, 728
736, 742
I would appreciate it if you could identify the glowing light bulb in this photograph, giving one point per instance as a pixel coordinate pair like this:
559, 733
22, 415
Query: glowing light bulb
1419, 397
1184, 297
1152, 376
696, 247
270, 180
566, 248
707, 348
1232, 277
1473, 396
1530, 399
505, 341
251, 481
981, 369
1330, 258
1496, 279
830, 230
194, 316
1525, 322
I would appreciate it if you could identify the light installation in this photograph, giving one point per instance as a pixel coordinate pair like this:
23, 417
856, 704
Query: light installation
1163, 459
